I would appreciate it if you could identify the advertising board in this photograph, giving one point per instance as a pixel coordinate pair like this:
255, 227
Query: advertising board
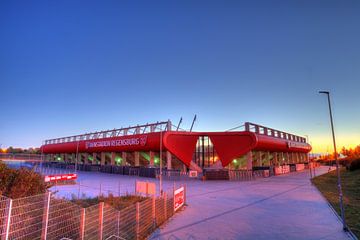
179, 198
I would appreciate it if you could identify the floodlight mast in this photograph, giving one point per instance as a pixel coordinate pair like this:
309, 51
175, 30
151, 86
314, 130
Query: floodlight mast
345, 228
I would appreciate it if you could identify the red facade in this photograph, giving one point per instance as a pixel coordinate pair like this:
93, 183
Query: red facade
228, 145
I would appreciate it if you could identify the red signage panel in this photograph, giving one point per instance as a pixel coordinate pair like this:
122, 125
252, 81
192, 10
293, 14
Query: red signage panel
179, 198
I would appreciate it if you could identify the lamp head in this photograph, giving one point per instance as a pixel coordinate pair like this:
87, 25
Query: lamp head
324, 92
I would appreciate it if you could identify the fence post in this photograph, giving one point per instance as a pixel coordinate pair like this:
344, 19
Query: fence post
7, 218
118, 223
82, 223
101, 219
153, 211
137, 220
46, 215
165, 207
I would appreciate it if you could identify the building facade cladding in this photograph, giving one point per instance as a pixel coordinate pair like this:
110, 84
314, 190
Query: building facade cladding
228, 145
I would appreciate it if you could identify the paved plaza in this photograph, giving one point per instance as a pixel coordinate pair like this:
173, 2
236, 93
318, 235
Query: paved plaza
282, 207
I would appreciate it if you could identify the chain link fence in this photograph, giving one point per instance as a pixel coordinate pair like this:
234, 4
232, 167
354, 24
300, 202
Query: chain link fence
46, 217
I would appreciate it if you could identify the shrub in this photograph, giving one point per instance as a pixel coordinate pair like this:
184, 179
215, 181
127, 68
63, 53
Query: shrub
18, 183
114, 201
354, 165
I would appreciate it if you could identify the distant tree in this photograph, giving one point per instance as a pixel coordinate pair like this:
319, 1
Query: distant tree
351, 153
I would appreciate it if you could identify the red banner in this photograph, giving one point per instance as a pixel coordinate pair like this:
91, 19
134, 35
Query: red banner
60, 177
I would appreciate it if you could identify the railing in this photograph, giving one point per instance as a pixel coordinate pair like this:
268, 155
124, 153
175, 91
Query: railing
46, 217
138, 129
256, 128
247, 175
20, 156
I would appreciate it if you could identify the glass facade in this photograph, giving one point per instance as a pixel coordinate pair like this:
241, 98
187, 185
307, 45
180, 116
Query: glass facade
205, 154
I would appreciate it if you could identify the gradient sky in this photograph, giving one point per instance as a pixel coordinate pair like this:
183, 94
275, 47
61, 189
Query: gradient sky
69, 67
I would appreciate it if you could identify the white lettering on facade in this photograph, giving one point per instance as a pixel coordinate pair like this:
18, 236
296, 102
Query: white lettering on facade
117, 143
298, 145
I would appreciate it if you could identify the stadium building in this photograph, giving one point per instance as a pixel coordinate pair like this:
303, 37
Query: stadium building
255, 147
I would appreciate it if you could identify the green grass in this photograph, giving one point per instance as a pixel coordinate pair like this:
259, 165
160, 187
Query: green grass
327, 184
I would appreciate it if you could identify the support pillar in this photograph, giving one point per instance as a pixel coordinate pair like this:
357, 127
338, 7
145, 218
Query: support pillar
113, 155
168, 160
275, 157
66, 157
103, 158
79, 158
258, 159
124, 157
287, 158
249, 160
151, 154
72, 156
137, 158
94, 158
268, 158
86, 158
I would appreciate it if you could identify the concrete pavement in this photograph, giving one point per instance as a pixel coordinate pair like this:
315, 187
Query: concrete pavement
282, 207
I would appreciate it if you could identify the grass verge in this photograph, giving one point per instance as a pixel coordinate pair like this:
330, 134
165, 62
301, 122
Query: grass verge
327, 184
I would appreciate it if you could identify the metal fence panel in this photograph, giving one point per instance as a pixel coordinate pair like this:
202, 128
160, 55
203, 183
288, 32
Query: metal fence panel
92, 222
46, 217
127, 225
170, 205
111, 221
146, 218
27, 217
4, 208
160, 211
64, 220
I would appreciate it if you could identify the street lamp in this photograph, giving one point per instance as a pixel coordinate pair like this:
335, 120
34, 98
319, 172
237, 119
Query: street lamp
160, 172
337, 163
308, 156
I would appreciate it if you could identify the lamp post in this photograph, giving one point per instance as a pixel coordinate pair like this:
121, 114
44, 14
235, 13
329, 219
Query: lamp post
308, 155
337, 163
77, 156
160, 156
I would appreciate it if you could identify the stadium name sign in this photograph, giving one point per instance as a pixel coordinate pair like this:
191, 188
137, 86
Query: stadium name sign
298, 145
138, 141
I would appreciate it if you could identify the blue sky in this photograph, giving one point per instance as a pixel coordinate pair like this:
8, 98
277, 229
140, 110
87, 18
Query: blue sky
69, 67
